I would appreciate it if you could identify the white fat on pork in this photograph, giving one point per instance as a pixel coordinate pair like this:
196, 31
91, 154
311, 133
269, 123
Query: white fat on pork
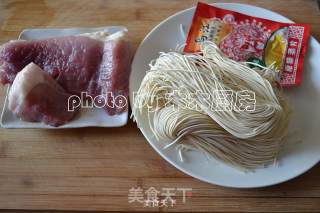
24, 82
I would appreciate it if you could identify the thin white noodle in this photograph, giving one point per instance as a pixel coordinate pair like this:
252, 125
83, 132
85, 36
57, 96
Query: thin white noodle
245, 139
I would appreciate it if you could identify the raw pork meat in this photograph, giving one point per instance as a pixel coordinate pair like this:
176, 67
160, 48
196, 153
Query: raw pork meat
112, 79
88, 63
35, 96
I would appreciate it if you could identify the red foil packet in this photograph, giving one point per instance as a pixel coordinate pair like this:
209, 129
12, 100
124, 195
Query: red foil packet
247, 38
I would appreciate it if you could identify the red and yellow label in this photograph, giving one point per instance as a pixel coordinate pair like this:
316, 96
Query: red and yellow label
242, 38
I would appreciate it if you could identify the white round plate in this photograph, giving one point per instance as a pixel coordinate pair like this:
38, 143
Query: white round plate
301, 152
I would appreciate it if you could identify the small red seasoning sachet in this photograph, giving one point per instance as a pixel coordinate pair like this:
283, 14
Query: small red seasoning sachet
247, 38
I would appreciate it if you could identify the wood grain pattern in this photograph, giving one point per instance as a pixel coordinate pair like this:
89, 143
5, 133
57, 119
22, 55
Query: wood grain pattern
92, 169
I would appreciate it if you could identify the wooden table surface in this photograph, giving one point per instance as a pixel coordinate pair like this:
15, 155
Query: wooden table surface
93, 169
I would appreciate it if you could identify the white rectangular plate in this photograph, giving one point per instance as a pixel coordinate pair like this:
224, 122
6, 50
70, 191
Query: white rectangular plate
86, 117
